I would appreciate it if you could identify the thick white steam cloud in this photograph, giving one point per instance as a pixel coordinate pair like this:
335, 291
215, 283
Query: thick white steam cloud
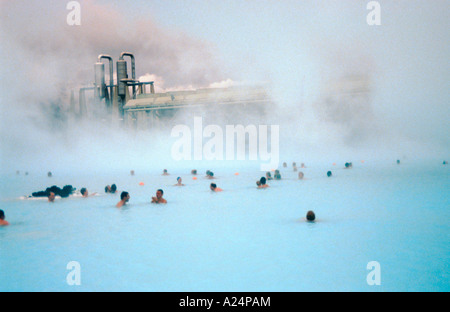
303, 49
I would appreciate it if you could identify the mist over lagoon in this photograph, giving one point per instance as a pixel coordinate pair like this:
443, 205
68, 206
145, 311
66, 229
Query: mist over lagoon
402, 64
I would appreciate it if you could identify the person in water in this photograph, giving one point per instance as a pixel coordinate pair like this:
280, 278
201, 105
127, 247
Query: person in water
301, 175
179, 180
111, 189
262, 182
194, 172
159, 198
258, 183
268, 176
165, 173
329, 174
210, 175
124, 198
85, 193
277, 175
3, 222
51, 197
214, 188
310, 216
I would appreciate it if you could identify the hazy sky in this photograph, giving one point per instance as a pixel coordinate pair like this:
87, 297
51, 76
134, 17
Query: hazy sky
297, 45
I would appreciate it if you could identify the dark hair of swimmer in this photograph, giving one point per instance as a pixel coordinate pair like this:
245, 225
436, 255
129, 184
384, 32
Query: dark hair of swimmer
83, 190
268, 174
213, 185
310, 216
162, 192
113, 188
262, 180
107, 189
211, 173
2, 215
194, 172
123, 195
329, 173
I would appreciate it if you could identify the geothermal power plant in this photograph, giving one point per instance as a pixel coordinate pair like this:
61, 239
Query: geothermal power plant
135, 103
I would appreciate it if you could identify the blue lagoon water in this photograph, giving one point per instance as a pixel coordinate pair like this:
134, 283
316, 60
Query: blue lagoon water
242, 239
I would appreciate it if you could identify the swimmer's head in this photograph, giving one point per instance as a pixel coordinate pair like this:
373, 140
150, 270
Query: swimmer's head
194, 172
207, 172
213, 186
310, 216
132, 172
398, 161
329, 174
347, 165
83, 191
179, 179
268, 174
2, 215
258, 183
125, 195
113, 188
263, 180
51, 197
300, 175
159, 193
165, 171
211, 174
49, 173
107, 189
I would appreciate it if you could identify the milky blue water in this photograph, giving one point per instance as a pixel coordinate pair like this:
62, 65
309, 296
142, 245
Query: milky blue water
242, 239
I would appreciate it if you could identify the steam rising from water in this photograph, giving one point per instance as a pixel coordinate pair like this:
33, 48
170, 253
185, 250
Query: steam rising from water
403, 66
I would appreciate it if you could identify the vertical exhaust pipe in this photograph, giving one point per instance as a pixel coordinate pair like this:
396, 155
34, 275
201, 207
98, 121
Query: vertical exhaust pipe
133, 65
111, 76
